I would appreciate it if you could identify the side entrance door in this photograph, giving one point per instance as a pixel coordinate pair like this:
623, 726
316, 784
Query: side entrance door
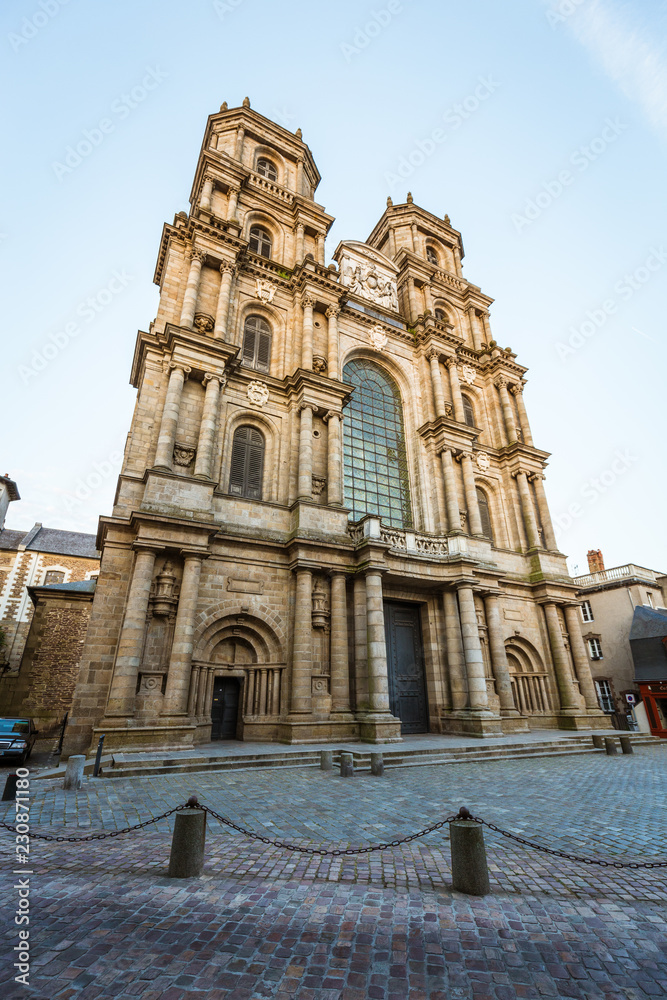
224, 713
405, 664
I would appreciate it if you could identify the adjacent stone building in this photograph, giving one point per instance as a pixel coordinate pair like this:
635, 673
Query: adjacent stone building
330, 522
609, 599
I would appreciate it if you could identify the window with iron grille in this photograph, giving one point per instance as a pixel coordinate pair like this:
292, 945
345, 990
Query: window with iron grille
267, 169
260, 241
587, 611
595, 649
605, 697
485, 516
257, 343
375, 460
247, 465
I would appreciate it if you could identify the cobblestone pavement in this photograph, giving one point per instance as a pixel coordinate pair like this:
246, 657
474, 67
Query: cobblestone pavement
262, 922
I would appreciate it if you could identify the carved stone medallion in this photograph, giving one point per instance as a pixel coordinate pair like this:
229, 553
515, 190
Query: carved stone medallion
377, 337
258, 393
483, 461
468, 374
264, 290
184, 456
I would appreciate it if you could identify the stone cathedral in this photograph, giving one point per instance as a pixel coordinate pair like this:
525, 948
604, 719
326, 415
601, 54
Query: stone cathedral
330, 523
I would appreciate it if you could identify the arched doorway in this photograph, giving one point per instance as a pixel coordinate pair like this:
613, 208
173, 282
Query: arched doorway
225, 708
529, 678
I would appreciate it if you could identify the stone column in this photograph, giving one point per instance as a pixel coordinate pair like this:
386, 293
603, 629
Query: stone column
238, 146
305, 487
458, 684
233, 200
474, 518
508, 412
568, 696
340, 671
360, 645
334, 459
131, 641
391, 242
206, 194
378, 681
180, 661
451, 491
197, 258
436, 379
581, 664
201, 691
457, 400
194, 687
428, 297
307, 333
545, 515
299, 175
209, 427
457, 260
298, 242
474, 328
333, 362
412, 299
472, 650
227, 270
529, 519
517, 392
302, 654
499, 664
320, 247
164, 454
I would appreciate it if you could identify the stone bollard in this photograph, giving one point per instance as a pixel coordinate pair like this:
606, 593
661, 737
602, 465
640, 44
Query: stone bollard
470, 873
187, 844
346, 765
377, 765
9, 794
74, 772
610, 746
626, 744
598, 741
326, 760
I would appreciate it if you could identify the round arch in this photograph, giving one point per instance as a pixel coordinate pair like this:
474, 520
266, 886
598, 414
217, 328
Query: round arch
263, 152
220, 624
258, 218
531, 684
271, 434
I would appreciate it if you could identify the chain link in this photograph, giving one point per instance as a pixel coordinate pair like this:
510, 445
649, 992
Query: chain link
463, 814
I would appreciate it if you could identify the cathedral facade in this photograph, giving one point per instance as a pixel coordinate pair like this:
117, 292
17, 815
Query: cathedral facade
330, 523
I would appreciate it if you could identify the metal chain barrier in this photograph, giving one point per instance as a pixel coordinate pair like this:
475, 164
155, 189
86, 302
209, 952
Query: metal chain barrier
463, 814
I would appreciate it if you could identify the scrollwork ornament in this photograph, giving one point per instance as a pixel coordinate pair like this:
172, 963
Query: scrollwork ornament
258, 393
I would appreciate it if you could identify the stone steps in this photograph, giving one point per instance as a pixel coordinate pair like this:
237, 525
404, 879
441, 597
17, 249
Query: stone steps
403, 757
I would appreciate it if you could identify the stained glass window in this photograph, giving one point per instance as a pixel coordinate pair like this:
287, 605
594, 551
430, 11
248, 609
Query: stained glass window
375, 462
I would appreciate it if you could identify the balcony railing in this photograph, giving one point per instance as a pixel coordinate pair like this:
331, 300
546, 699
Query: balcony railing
616, 573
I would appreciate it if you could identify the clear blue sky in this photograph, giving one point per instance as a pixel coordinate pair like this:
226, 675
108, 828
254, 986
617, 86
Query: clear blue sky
572, 119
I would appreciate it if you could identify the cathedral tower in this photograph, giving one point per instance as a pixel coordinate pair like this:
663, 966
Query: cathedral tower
330, 522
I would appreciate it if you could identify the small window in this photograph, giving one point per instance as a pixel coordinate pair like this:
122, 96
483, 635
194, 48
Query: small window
431, 255
649, 599
587, 611
267, 169
605, 697
247, 465
260, 241
440, 315
485, 516
257, 344
595, 649
468, 412
54, 576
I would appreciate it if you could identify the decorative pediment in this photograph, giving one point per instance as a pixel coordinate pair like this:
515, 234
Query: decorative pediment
368, 274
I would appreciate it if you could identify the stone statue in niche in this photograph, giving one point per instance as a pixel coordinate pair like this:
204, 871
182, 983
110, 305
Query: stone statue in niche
184, 456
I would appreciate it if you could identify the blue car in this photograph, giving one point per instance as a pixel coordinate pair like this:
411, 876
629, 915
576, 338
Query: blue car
17, 738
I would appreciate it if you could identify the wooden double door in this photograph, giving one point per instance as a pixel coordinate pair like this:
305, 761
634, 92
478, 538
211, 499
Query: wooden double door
225, 708
405, 666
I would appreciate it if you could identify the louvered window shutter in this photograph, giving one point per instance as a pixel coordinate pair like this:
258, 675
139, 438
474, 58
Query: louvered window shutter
249, 343
263, 352
247, 465
484, 515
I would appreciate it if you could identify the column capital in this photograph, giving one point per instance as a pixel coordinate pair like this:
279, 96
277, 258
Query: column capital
432, 354
307, 301
533, 476
227, 265
154, 547
211, 377
195, 253
517, 388
305, 405
193, 554
501, 382
332, 310
298, 226
332, 413
520, 472
451, 362
177, 366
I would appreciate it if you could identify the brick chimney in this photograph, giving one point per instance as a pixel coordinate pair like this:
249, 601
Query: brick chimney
595, 561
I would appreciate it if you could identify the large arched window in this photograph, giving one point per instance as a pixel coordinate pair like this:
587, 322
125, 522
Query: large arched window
468, 412
485, 517
375, 462
247, 466
260, 241
257, 343
267, 169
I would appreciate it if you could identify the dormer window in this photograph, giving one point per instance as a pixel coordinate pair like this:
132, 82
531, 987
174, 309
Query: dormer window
267, 169
260, 241
431, 256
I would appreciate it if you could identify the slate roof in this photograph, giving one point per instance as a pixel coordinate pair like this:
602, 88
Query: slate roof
51, 540
647, 623
78, 586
